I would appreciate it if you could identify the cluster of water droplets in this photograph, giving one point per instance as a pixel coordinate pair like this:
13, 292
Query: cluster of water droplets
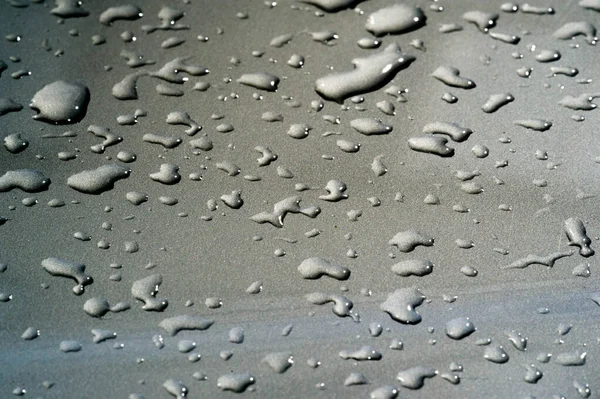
196, 198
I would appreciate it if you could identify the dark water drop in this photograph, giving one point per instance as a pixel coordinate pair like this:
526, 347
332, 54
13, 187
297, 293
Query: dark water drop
573, 29
342, 306
172, 71
169, 91
96, 307
483, 20
281, 209
413, 267
315, 268
399, 18
15, 144
165, 141
497, 101
168, 17
386, 107
128, 12
590, 4
135, 59
431, 199
370, 126
469, 271
454, 131
271, 116
69, 9
281, 40
299, 130
369, 74
98, 180
202, 143
464, 175
260, 80
30, 333
524, 72
529, 9
547, 56
336, 191
355, 378
518, 341
449, 98
431, 145
175, 388
64, 268
375, 329
324, 37
237, 383
145, 290
449, 28
539, 125
361, 354
451, 77
255, 288
378, 166
414, 377
296, 61
504, 37
574, 358
529, 260
174, 325
126, 156
533, 374
368, 43
471, 187
267, 156
583, 102
126, 89
284, 172
577, 235
236, 335
418, 44
396, 344
110, 139
451, 378
384, 392
348, 146
459, 328
172, 42
61, 102
332, 5
401, 304
69, 346
28, 180
407, 241
582, 389
168, 174
582, 270
233, 200
279, 362
229, 167
495, 354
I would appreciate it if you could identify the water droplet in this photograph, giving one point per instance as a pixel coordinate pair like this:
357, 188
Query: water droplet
401, 304
98, 180
451, 77
61, 102
369, 74
399, 18
414, 377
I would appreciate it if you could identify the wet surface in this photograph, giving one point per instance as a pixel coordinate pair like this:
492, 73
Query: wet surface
327, 198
